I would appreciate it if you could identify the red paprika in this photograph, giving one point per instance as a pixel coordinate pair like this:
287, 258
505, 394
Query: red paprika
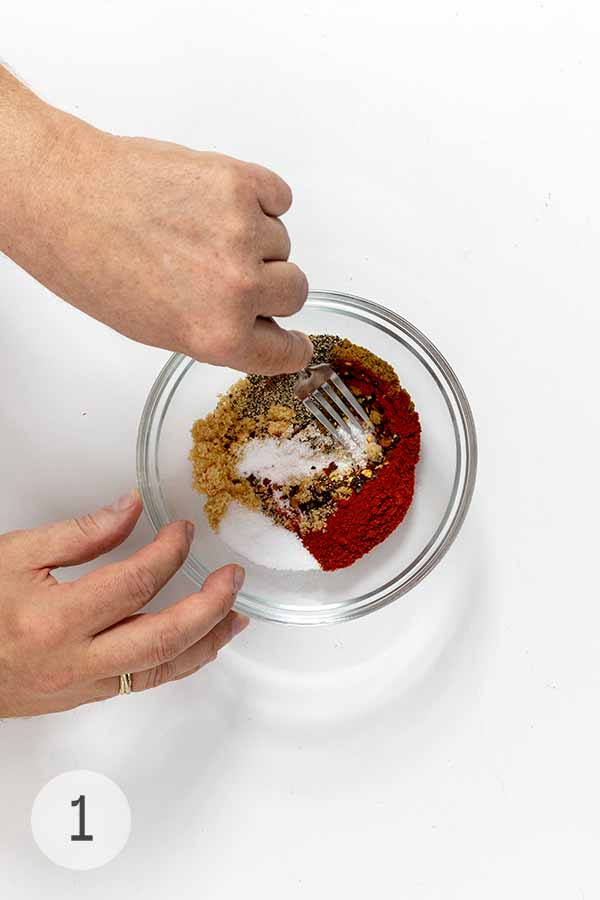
363, 520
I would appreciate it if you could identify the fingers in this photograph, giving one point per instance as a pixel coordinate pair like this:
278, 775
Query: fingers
274, 350
274, 240
282, 291
269, 349
274, 194
192, 659
148, 641
113, 592
77, 540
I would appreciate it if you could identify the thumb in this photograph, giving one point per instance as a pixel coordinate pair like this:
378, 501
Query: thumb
77, 540
277, 351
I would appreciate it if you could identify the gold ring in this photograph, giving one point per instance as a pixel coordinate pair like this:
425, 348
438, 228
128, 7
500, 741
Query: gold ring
125, 683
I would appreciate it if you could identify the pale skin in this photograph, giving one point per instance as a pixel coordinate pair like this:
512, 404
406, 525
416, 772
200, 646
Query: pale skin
174, 248
66, 644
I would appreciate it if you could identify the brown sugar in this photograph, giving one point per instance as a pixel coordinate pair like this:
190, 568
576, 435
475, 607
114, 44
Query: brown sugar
213, 459
347, 352
260, 407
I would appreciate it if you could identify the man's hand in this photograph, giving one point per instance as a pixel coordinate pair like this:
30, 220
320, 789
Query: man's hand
66, 644
172, 247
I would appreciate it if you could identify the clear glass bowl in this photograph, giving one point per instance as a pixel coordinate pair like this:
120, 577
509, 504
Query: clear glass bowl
185, 390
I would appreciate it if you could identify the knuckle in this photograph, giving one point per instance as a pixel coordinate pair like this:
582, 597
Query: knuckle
162, 673
228, 342
86, 525
287, 241
281, 190
239, 230
225, 345
234, 178
231, 171
298, 276
168, 644
243, 282
141, 583
283, 356
288, 195
273, 355
302, 284
33, 629
298, 288
21, 625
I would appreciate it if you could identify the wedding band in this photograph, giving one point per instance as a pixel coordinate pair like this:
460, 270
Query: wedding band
125, 683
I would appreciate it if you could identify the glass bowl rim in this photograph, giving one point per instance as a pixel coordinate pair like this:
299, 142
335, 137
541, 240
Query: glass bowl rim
458, 505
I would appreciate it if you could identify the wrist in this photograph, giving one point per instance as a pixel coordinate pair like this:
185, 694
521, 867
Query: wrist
36, 148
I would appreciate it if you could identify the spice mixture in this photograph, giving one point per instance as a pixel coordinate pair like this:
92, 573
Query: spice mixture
281, 491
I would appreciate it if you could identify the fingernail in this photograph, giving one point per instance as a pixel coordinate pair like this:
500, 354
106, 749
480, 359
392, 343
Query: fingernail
189, 530
239, 623
238, 578
126, 501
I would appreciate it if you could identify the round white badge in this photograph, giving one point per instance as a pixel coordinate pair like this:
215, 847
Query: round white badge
81, 819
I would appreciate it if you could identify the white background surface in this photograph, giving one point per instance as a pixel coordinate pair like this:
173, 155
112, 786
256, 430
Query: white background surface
444, 159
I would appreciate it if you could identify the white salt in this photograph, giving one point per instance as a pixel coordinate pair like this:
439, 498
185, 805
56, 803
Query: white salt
282, 460
259, 539
356, 443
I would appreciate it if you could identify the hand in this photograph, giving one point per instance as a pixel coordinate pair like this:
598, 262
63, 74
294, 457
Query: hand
62, 645
172, 247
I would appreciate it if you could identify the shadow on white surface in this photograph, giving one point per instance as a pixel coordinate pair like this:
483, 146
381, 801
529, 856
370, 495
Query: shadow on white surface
336, 678
395, 681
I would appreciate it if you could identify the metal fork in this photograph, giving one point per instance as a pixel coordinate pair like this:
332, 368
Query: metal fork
315, 387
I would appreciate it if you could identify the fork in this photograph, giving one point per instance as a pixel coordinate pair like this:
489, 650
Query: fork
323, 393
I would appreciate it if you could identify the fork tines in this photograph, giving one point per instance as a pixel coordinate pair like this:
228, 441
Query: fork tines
327, 404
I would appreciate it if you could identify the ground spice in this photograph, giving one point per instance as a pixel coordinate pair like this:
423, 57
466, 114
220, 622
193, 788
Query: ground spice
266, 391
338, 515
380, 503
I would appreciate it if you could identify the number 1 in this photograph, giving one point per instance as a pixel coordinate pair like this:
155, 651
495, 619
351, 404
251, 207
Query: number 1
82, 836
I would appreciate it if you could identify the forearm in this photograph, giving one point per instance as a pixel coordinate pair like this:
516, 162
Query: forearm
32, 139
24, 132
172, 247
